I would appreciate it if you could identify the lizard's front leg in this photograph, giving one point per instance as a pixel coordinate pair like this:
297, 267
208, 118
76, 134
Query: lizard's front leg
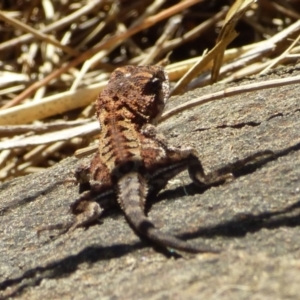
169, 161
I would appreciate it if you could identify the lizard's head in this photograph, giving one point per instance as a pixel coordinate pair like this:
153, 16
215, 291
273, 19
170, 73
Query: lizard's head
143, 90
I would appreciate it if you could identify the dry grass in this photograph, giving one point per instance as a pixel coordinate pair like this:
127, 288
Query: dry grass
57, 55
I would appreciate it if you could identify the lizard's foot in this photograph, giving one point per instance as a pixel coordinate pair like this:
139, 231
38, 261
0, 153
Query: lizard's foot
86, 212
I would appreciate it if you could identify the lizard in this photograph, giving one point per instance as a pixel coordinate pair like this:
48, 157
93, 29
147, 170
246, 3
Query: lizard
133, 159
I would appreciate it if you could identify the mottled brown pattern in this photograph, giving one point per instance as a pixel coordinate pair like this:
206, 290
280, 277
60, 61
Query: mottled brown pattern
133, 97
132, 157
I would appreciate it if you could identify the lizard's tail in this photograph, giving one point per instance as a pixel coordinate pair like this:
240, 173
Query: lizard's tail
132, 194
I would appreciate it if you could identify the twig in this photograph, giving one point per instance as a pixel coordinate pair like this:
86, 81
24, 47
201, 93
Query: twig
90, 6
230, 92
84, 56
281, 56
37, 34
50, 106
195, 70
170, 28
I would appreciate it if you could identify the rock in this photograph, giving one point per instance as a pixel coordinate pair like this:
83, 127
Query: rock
254, 218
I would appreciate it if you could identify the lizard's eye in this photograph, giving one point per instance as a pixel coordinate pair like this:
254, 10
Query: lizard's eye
153, 86
156, 83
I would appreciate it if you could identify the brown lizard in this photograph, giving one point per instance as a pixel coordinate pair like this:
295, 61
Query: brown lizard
133, 159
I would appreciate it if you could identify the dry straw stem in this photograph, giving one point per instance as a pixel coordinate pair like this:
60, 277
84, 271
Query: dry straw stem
152, 9
196, 69
226, 36
230, 92
178, 41
257, 53
168, 32
66, 101
257, 67
39, 128
59, 24
90, 128
39, 35
281, 57
105, 44
101, 54
178, 69
288, 12
50, 106
235, 12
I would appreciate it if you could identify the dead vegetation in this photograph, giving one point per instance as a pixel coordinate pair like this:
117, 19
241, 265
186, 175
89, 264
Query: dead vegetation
57, 55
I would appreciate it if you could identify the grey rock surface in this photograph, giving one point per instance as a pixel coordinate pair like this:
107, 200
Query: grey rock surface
254, 218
